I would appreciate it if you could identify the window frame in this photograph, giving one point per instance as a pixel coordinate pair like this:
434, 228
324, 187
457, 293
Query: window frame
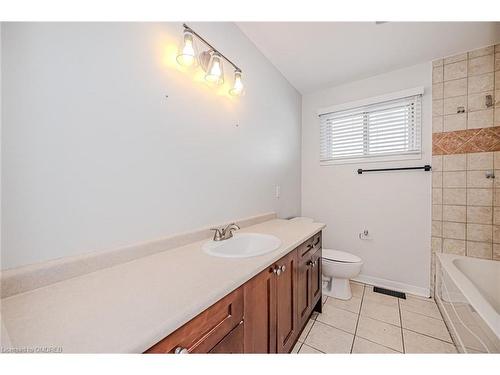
366, 102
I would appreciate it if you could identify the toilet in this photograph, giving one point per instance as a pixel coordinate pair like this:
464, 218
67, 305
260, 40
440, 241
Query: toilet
338, 267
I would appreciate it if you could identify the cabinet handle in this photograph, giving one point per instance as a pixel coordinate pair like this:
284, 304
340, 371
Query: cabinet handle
283, 268
277, 270
181, 350
317, 242
310, 246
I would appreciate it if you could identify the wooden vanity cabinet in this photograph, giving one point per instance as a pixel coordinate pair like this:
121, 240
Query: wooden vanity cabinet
264, 315
309, 277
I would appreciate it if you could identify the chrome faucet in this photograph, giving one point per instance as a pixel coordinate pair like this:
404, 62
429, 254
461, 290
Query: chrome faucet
226, 233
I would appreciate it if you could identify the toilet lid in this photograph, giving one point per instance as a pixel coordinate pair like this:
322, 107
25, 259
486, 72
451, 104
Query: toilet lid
340, 256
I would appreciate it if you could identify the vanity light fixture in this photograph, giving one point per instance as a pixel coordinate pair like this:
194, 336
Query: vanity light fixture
210, 60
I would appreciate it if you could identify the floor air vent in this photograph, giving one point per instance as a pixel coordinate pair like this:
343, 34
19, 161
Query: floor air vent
389, 292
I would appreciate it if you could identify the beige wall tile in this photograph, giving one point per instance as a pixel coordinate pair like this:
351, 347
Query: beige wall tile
496, 196
480, 249
455, 58
437, 196
457, 87
477, 179
497, 61
437, 124
456, 162
437, 163
437, 91
455, 71
479, 215
496, 181
451, 105
438, 62
497, 47
480, 197
496, 233
496, 117
451, 246
496, 98
452, 213
454, 196
480, 119
436, 244
496, 159
437, 74
481, 83
454, 122
481, 52
437, 107
480, 232
454, 179
480, 161
481, 65
437, 179
496, 251
496, 215
453, 230
437, 228
477, 102
437, 212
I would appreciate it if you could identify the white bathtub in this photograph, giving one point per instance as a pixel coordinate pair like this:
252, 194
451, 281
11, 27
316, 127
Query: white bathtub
468, 295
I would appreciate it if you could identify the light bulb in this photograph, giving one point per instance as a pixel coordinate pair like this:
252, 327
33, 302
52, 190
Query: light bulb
237, 89
215, 70
187, 57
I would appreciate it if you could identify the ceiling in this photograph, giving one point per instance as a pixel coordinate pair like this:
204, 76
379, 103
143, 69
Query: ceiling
316, 55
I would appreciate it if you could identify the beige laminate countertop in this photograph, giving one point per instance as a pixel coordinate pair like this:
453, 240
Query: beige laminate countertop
131, 306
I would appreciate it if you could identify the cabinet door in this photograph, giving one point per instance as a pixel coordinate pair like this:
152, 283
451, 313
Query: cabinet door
304, 278
260, 313
232, 343
286, 301
316, 277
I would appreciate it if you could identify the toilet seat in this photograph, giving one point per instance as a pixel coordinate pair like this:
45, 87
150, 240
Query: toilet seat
340, 256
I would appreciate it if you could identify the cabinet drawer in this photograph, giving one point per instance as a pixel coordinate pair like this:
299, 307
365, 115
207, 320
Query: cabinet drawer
316, 241
232, 343
205, 331
305, 248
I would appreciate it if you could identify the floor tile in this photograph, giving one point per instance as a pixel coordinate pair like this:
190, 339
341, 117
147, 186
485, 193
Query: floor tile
306, 330
379, 332
324, 298
380, 311
357, 289
338, 318
417, 343
351, 305
425, 324
379, 298
296, 347
363, 346
306, 349
314, 315
421, 306
328, 339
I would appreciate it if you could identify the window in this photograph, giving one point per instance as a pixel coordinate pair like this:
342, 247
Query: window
385, 128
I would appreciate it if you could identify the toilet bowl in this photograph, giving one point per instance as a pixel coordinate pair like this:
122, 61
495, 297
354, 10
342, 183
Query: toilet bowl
338, 267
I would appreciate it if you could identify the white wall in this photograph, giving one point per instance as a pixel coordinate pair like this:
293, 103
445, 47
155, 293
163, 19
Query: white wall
95, 157
394, 207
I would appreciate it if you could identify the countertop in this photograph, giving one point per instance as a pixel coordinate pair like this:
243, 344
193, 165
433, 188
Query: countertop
131, 306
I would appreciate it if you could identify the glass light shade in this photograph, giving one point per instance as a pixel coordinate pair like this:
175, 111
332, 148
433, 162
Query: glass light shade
215, 73
187, 53
237, 89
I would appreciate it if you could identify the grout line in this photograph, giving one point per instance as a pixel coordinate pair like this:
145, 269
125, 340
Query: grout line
359, 315
401, 322
377, 343
311, 347
432, 337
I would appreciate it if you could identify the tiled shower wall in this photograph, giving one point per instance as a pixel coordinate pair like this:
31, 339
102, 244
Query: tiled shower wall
466, 146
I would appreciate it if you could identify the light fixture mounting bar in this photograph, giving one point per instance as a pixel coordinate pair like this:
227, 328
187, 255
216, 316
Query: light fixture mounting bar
186, 27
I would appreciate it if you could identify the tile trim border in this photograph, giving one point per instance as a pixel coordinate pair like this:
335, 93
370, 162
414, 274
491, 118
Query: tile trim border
23, 279
466, 141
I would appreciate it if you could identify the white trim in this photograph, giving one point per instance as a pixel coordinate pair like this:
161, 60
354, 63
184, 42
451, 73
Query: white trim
372, 159
372, 100
394, 285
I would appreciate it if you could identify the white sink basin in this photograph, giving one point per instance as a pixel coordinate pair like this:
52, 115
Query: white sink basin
242, 245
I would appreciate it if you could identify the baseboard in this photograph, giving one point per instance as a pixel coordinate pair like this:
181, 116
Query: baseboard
394, 285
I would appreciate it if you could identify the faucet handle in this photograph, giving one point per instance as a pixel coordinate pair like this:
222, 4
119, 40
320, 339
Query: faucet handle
218, 234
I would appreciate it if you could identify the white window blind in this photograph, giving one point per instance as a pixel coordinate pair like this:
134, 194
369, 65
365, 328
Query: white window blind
388, 128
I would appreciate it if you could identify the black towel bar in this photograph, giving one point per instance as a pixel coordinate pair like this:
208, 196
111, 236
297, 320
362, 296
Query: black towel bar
425, 168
